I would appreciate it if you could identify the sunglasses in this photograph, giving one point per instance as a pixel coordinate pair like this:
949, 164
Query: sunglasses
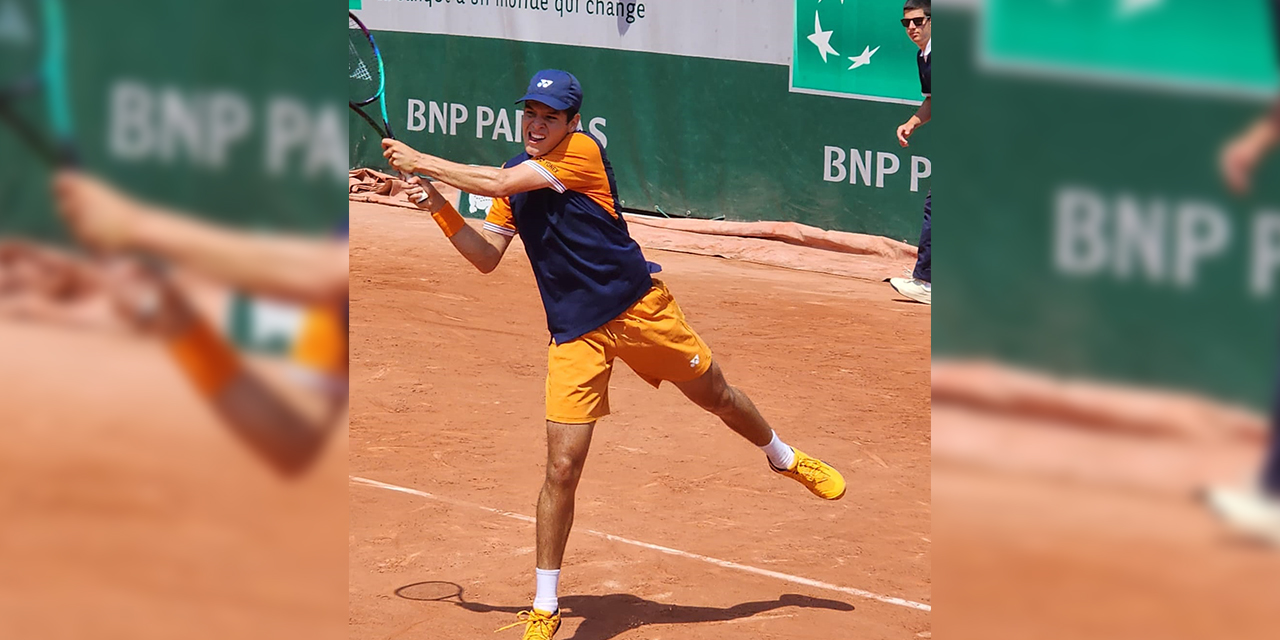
919, 22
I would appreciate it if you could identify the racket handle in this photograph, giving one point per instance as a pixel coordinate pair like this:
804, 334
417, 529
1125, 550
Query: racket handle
421, 197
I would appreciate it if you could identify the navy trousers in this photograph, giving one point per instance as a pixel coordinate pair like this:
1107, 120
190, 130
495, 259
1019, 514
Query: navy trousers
923, 269
1271, 464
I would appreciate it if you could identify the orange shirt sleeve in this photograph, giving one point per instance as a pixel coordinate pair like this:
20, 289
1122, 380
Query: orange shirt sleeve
576, 165
500, 219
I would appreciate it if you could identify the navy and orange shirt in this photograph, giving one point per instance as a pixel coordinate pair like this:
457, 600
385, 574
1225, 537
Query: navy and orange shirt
588, 268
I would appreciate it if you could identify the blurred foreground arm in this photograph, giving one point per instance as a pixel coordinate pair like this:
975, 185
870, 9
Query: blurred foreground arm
298, 269
287, 425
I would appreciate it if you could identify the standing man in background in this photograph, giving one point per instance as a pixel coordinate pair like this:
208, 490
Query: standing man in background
916, 20
1254, 510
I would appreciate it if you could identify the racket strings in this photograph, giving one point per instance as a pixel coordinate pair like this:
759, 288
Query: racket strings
363, 71
360, 70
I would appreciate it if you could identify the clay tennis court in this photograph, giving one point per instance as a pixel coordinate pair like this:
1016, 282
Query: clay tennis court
1054, 527
679, 522
130, 511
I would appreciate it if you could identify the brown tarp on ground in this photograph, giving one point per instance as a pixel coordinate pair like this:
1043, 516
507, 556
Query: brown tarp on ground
1096, 405
991, 416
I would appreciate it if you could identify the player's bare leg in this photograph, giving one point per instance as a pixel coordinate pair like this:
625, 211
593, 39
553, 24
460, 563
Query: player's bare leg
567, 446
712, 392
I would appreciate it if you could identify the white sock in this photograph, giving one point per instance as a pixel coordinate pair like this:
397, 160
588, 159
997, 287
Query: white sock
780, 455
547, 599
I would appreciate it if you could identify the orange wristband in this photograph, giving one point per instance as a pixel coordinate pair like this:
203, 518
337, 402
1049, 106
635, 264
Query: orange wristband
209, 362
449, 219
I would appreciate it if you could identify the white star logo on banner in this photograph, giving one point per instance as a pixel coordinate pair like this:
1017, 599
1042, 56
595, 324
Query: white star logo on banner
865, 58
821, 39
1130, 8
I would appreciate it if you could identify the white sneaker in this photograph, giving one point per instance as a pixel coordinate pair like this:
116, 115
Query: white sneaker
1248, 511
917, 290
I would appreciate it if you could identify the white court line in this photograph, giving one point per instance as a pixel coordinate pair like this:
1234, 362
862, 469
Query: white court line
667, 550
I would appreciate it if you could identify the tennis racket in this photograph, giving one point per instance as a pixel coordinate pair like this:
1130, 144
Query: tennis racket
366, 81
34, 100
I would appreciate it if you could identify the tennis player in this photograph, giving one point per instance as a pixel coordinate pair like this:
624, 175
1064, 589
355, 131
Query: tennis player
601, 303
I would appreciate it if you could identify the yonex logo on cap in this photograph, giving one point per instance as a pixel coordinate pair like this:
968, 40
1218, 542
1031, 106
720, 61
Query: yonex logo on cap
554, 88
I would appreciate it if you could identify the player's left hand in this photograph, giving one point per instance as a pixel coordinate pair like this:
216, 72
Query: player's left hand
401, 156
420, 192
99, 216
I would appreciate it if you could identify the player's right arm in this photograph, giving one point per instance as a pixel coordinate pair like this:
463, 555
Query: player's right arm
483, 248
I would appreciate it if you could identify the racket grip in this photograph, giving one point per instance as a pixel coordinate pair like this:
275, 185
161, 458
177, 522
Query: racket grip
421, 197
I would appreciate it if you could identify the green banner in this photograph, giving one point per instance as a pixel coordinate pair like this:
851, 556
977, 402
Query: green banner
1225, 44
856, 49
1091, 233
229, 110
686, 135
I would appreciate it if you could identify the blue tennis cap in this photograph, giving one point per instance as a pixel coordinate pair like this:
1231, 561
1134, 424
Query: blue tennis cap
556, 89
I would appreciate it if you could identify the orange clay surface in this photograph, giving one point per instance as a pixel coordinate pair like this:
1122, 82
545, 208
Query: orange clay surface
128, 510
1055, 530
447, 371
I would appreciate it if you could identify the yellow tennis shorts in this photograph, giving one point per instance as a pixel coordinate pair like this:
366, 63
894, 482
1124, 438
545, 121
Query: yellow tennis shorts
652, 337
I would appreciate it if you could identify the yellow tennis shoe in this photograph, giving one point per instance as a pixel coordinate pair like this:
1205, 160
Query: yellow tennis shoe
819, 477
538, 625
